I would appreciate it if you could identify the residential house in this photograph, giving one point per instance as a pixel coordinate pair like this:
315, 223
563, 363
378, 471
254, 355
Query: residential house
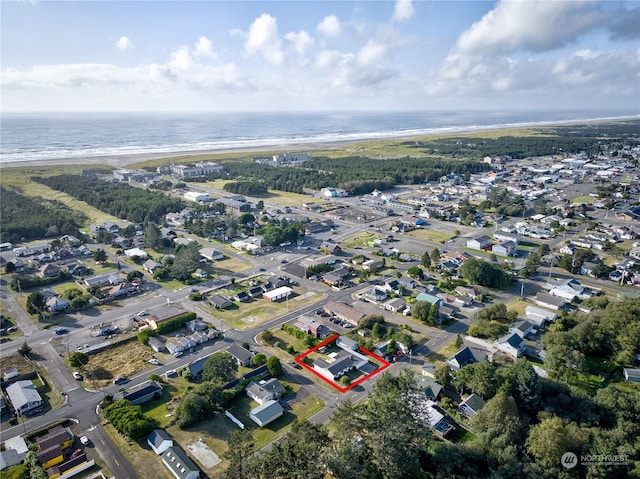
255, 292
511, 344
522, 328
48, 271
57, 305
467, 355
506, 248
219, 302
308, 325
432, 388
156, 344
211, 254
201, 273
336, 277
143, 392
372, 264
347, 344
266, 413
547, 301
374, 294
472, 405
339, 365
503, 236
330, 248
264, 391
390, 286
76, 268
240, 354
394, 304
122, 289
241, 296
159, 441
407, 282
344, 312
50, 457
130, 253
24, 397
467, 291
632, 375
150, 266
587, 268
179, 464
479, 242
568, 289
56, 436
538, 316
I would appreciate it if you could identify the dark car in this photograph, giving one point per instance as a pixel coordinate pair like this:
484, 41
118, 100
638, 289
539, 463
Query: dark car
120, 380
61, 331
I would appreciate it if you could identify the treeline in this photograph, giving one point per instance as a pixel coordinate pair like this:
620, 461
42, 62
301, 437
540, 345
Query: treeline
550, 140
248, 188
117, 199
29, 218
357, 175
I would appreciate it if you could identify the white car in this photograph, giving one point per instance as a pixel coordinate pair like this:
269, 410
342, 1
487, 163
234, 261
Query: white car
171, 372
77, 375
84, 440
142, 313
154, 361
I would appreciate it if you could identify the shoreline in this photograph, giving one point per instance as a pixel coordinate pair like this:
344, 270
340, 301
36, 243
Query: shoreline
122, 160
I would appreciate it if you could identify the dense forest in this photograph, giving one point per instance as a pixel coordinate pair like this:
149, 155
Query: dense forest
126, 202
26, 218
551, 140
357, 175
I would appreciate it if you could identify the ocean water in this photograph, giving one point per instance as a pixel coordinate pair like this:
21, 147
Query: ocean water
37, 137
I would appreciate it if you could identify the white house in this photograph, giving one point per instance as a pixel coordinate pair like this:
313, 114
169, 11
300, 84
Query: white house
159, 441
179, 464
24, 397
511, 344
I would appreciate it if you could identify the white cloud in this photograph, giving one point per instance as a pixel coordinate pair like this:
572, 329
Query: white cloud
403, 10
329, 26
181, 59
373, 52
264, 39
529, 26
204, 48
124, 43
301, 41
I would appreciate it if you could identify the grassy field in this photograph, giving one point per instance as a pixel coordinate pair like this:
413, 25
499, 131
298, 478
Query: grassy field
257, 311
360, 239
431, 235
440, 356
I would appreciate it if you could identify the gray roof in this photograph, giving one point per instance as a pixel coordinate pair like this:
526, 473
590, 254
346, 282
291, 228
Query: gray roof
239, 353
178, 462
474, 402
158, 436
267, 412
22, 393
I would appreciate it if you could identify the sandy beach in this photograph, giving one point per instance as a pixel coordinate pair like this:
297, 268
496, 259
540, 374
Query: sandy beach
121, 161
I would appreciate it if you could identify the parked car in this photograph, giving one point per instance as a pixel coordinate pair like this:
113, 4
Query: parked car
171, 372
120, 380
77, 375
154, 361
143, 313
177, 354
61, 331
84, 440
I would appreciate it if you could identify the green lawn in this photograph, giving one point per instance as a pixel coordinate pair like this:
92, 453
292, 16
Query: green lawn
431, 235
461, 435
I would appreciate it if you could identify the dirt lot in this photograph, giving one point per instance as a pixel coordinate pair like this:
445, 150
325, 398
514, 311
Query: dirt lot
124, 359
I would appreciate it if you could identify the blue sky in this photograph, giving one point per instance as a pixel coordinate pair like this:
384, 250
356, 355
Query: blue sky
327, 55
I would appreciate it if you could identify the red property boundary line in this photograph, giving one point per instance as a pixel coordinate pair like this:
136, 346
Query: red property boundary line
299, 360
